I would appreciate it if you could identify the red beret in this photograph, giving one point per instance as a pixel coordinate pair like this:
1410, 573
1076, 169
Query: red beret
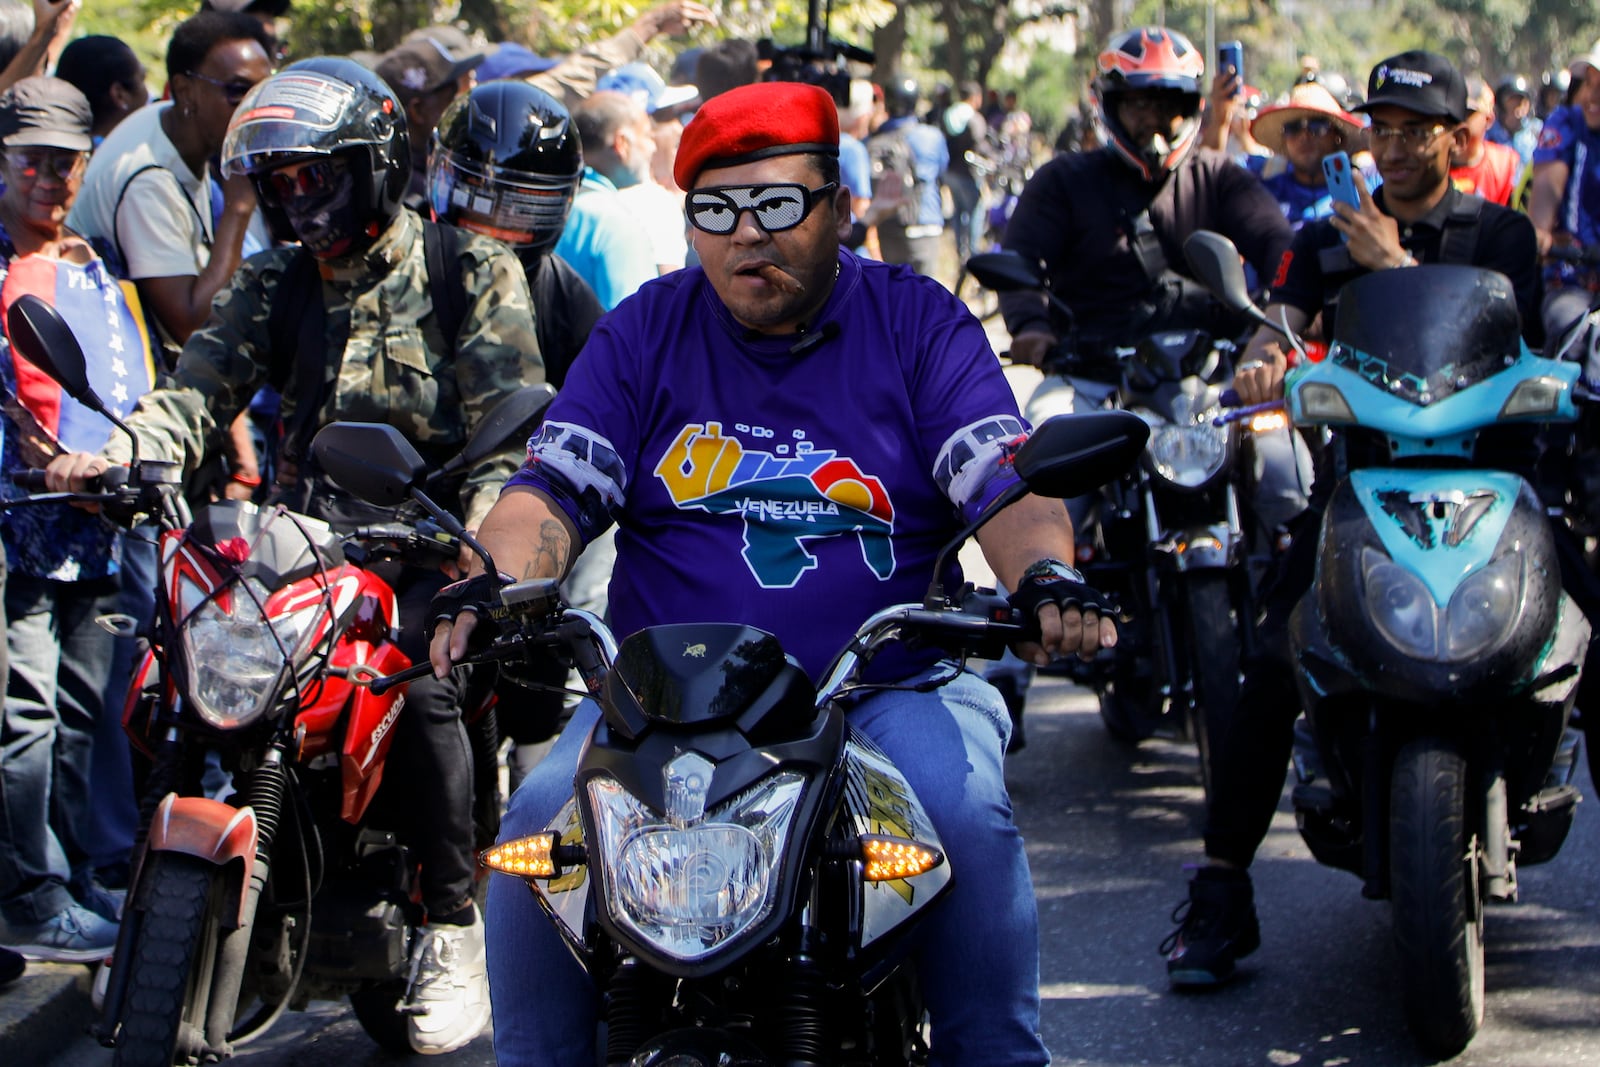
756, 121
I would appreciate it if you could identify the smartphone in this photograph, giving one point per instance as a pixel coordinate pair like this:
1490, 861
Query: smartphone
1231, 54
1341, 181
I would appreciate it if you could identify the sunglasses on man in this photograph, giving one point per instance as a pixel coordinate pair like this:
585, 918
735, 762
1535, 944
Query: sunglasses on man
777, 207
1314, 127
233, 91
316, 178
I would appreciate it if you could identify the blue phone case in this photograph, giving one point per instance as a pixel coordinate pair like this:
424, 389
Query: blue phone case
1231, 54
1341, 182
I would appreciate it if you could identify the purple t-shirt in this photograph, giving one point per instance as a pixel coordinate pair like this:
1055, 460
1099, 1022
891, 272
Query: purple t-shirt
795, 493
1566, 138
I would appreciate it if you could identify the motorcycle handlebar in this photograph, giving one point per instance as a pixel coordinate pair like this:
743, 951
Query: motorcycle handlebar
1589, 255
107, 481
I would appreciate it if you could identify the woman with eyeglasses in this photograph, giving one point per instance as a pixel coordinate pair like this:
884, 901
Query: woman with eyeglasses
63, 564
147, 192
1309, 127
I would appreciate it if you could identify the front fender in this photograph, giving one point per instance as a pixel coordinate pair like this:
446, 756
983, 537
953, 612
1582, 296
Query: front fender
209, 830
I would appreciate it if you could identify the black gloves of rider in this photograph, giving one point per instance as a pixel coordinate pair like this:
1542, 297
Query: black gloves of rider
1050, 581
477, 595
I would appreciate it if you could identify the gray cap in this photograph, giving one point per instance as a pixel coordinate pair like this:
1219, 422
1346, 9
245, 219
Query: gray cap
45, 111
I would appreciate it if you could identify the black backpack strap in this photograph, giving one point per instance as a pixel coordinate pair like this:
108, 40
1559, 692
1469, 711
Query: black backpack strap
441, 244
297, 327
1141, 232
1459, 241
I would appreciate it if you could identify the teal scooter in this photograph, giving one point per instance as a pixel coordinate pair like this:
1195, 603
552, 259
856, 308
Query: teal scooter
1438, 657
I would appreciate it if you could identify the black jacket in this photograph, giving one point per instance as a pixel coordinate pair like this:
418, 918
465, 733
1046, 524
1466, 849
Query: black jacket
1077, 212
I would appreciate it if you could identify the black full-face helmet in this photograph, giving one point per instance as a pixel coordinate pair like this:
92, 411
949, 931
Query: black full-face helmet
324, 107
506, 162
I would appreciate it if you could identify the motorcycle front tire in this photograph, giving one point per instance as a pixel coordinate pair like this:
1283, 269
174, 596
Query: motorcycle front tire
1213, 639
1434, 895
375, 1011
172, 962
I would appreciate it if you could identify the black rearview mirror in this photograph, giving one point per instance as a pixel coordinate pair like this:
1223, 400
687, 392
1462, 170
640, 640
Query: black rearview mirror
1070, 455
43, 337
372, 460
1215, 262
1004, 272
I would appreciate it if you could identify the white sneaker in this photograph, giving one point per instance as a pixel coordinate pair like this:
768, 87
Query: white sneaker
448, 1002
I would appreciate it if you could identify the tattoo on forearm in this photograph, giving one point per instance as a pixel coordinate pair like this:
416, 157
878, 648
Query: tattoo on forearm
551, 549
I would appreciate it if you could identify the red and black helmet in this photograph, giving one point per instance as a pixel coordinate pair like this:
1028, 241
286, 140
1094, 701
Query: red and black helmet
1144, 59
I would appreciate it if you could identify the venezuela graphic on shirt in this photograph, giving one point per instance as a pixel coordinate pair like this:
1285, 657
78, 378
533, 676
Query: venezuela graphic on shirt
785, 499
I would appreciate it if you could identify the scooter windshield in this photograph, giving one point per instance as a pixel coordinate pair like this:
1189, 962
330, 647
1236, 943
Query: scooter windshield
1424, 333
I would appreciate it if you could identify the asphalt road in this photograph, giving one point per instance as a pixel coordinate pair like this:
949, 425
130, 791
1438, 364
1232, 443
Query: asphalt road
1109, 830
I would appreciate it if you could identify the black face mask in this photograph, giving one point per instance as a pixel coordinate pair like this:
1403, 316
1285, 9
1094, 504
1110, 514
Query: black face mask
325, 220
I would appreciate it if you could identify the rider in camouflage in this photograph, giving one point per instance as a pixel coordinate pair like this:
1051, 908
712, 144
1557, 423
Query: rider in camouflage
325, 144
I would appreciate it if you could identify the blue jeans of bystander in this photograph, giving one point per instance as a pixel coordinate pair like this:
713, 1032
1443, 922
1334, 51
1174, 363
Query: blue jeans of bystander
54, 695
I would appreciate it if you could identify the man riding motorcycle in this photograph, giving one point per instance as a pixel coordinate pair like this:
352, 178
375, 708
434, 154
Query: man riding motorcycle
325, 144
1109, 225
780, 346
1417, 102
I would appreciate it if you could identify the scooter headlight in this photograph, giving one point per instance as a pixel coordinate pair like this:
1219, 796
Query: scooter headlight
1483, 610
689, 887
1401, 606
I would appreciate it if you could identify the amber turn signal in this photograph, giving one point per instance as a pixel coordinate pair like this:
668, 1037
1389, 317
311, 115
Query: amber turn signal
526, 857
887, 858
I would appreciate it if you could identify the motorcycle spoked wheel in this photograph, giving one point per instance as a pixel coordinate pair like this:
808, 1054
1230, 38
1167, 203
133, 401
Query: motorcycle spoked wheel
1434, 895
172, 962
1213, 639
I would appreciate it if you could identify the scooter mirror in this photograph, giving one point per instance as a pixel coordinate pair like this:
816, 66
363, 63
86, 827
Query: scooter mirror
1004, 272
1071, 455
372, 460
1216, 264
39, 332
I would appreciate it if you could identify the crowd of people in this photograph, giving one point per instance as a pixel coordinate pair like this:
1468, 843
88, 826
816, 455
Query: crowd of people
567, 197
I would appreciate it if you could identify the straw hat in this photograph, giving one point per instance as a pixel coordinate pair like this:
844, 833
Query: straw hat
1306, 101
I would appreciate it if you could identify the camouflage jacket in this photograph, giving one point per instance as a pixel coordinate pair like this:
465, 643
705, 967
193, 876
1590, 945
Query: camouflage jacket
394, 364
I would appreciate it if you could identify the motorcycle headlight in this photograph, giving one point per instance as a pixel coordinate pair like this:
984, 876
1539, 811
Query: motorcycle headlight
690, 889
1188, 455
1484, 608
1401, 606
236, 657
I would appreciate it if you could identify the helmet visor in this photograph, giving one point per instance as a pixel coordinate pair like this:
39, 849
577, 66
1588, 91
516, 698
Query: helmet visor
298, 114
513, 206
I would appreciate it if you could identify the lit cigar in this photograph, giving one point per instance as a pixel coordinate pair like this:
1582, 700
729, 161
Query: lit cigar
781, 280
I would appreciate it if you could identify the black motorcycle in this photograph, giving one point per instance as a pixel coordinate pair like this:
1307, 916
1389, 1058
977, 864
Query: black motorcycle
738, 868
1175, 539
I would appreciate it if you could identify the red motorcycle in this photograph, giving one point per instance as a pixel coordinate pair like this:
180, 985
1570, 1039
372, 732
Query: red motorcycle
273, 659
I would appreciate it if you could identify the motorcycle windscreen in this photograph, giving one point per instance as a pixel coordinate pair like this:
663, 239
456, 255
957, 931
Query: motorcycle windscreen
705, 673
1425, 333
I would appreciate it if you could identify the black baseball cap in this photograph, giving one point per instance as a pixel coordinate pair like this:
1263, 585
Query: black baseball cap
45, 111
1424, 82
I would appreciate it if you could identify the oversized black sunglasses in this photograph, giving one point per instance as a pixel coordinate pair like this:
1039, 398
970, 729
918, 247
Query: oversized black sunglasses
716, 209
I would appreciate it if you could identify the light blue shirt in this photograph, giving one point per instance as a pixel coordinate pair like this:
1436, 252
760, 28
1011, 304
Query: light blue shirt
604, 243
855, 167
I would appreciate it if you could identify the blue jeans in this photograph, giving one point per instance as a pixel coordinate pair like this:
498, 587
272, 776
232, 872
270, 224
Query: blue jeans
949, 744
54, 697
114, 820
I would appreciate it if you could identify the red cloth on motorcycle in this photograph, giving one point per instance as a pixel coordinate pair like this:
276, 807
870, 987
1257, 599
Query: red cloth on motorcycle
755, 122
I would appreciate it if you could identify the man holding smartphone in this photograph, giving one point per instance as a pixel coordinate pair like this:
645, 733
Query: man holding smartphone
1417, 102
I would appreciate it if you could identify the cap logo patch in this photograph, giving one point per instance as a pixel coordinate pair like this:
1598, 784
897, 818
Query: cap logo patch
1402, 76
415, 78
